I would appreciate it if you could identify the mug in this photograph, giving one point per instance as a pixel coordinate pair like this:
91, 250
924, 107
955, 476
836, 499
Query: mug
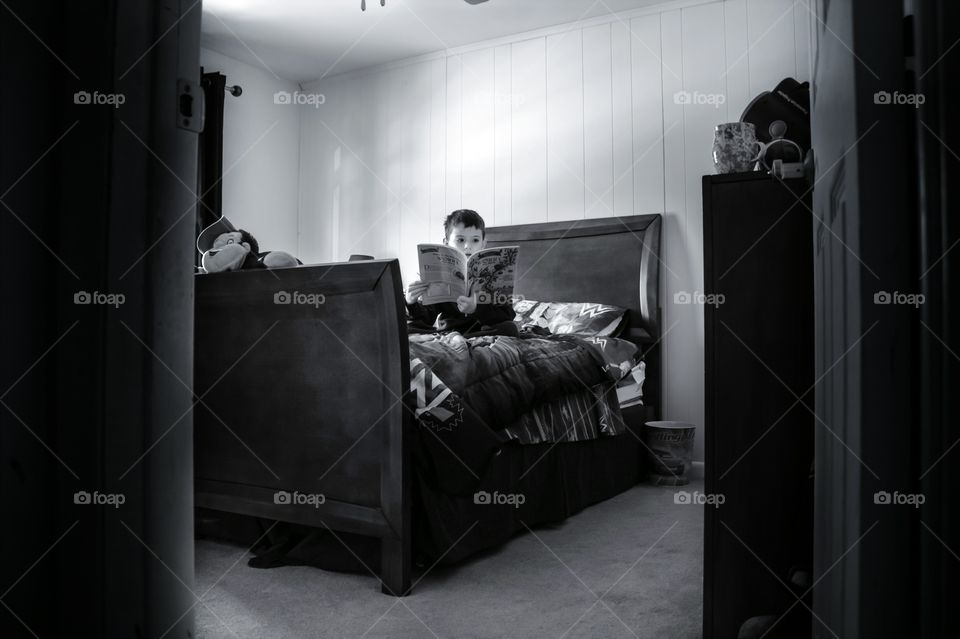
735, 147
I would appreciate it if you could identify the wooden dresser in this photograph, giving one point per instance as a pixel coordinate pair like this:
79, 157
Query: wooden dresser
759, 359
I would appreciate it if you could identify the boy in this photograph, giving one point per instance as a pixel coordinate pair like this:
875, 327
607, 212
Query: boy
463, 229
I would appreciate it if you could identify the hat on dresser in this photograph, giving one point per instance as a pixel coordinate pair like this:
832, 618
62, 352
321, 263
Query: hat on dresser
209, 235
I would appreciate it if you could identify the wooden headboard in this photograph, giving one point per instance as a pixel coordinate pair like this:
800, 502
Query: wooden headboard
611, 260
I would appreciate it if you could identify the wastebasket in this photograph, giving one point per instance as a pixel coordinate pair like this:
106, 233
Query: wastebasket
670, 449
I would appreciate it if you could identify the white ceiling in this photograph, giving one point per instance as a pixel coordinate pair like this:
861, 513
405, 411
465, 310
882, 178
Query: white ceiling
303, 40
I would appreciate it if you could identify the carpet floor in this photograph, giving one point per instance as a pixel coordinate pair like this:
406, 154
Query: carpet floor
631, 566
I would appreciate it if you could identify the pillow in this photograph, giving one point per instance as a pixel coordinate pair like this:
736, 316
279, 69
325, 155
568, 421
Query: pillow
582, 318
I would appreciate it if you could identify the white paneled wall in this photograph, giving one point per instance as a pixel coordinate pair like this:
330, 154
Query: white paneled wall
528, 131
581, 120
597, 118
565, 132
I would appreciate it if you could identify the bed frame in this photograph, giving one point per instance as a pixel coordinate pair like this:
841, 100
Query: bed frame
302, 375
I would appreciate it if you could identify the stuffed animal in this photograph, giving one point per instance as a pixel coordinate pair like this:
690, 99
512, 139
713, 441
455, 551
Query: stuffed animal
226, 248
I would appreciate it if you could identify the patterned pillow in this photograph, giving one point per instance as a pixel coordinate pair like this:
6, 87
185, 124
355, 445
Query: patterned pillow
582, 318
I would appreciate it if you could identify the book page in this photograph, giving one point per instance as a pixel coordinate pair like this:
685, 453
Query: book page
444, 269
492, 272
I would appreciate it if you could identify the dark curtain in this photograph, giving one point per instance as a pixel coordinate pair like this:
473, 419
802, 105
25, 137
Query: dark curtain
210, 164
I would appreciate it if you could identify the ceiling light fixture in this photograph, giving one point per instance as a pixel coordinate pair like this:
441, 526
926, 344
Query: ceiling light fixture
383, 3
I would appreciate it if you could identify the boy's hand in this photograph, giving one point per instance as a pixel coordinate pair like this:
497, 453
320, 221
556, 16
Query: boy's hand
415, 291
467, 304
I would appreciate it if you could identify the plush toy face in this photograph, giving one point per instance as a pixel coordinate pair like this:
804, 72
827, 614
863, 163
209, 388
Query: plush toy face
225, 239
227, 253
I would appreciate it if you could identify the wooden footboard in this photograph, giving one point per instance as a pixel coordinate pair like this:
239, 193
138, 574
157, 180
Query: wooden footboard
302, 381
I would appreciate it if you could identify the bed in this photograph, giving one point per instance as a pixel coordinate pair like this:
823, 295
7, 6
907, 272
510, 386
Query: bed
303, 383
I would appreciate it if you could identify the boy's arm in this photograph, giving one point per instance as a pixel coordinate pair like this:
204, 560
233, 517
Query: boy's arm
418, 312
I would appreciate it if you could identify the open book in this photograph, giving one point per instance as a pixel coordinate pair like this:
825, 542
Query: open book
450, 273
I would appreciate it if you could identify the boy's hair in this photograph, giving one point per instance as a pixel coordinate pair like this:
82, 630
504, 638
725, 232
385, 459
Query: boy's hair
249, 239
466, 218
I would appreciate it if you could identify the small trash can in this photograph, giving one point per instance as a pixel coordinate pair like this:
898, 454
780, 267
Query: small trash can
670, 449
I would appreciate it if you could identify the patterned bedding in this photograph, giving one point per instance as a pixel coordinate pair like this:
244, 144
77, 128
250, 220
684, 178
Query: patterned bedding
589, 414
475, 395
501, 378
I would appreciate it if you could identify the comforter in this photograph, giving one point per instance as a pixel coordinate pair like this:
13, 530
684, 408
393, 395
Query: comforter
468, 390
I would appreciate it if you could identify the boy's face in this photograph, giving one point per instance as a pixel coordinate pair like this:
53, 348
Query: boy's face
468, 239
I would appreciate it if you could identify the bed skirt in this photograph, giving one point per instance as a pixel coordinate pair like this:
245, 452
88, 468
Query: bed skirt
534, 484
